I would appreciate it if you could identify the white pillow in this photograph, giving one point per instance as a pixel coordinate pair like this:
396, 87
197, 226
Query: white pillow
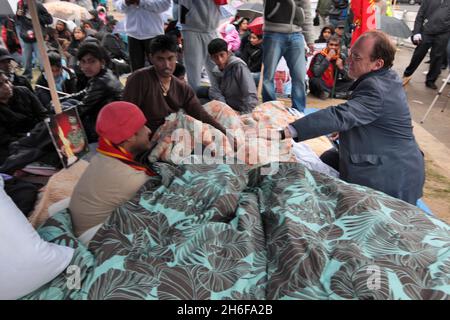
26, 261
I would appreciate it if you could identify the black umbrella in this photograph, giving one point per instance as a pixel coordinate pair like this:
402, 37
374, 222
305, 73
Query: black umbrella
250, 10
394, 27
7, 7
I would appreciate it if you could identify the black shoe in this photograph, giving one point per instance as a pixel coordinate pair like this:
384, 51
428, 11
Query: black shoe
431, 85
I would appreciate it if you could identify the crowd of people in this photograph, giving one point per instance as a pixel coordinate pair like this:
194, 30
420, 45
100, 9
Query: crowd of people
166, 59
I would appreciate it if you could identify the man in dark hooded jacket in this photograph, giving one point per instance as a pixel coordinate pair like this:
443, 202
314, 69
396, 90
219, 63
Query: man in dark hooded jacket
431, 30
233, 83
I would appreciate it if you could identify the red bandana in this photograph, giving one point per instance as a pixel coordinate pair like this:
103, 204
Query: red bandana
106, 148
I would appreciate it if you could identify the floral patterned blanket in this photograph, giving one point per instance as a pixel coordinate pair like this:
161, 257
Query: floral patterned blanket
226, 232
256, 141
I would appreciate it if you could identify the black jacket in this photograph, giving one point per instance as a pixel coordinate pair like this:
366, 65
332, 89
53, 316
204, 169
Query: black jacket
22, 112
100, 90
25, 24
433, 17
319, 65
20, 81
114, 46
252, 56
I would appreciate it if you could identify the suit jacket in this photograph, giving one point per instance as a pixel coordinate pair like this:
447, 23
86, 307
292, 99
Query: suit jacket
377, 147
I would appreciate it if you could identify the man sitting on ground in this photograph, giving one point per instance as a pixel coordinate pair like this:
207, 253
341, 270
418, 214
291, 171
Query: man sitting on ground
158, 93
322, 72
20, 111
113, 176
234, 83
65, 80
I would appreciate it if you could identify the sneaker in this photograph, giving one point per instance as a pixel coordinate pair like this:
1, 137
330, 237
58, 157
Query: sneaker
431, 85
341, 95
406, 80
324, 95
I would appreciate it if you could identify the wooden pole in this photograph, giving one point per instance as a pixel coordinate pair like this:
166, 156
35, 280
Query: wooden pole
43, 54
260, 84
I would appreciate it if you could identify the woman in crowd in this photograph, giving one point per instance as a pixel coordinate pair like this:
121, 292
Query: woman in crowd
242, 27
62, 30
79, 34
325, 34
252, 54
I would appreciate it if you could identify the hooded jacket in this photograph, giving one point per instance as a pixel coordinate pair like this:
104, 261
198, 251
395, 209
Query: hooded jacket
433, 17
199, 16
235, 86
288, 16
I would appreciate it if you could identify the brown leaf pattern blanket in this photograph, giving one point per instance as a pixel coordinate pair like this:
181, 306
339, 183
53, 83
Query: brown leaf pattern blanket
226, 232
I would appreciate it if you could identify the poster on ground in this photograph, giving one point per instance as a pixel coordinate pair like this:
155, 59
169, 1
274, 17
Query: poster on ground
69, 138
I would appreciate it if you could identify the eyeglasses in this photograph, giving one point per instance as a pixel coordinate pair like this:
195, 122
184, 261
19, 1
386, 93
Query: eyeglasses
355, 56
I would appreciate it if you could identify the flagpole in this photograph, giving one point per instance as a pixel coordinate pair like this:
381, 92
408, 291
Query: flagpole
44, 57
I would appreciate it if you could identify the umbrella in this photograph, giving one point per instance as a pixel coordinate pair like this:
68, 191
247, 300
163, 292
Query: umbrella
228, 11
8, 7
67, 10
394, 27
257, 26
250, 10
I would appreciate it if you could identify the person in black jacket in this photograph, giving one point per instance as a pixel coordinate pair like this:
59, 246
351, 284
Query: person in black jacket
252, 54
20, 111
115, 47
431, 30
26, 33
103, 87
65, 79
6, 65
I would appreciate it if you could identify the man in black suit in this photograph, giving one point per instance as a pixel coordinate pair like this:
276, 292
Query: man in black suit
431, 30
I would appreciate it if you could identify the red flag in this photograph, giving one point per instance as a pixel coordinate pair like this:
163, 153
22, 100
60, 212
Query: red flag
364, 17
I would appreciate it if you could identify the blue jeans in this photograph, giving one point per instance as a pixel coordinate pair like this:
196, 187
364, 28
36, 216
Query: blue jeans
27, 57
448, 53
291, 46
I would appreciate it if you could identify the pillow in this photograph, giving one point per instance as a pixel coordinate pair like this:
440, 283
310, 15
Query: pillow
26, 261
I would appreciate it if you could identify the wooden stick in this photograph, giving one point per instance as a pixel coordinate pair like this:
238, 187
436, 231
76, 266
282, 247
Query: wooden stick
260, 84
48, 89
43, 54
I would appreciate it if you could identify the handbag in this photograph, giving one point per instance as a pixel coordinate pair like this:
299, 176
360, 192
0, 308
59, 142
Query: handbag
316, 20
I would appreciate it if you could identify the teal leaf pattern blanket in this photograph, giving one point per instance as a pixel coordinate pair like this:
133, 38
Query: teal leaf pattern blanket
226, 232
